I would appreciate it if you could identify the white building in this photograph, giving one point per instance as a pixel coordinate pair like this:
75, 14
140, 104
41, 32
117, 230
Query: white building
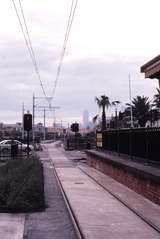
86, 119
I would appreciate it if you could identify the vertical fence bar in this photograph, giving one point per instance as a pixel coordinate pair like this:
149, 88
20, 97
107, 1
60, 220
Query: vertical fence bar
130, 143
147, 144
118, 142
135, 142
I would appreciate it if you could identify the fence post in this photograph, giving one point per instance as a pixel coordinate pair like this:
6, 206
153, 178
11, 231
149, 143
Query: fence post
147, 145
130, 143
118, 142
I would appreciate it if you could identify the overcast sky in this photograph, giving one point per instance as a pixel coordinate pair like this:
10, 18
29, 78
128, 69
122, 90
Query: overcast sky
109, 40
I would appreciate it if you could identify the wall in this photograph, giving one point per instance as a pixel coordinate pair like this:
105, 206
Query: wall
136, 180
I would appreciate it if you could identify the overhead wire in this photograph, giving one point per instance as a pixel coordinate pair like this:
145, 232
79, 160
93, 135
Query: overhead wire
29, 43
29, 46
68, 29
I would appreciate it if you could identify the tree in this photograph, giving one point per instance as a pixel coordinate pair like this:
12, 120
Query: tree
96, 122
95, 118
103, 102
153, 116
141, 108
156, 100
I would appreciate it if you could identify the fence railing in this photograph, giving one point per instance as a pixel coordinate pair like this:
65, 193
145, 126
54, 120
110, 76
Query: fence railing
10, 152
137, 142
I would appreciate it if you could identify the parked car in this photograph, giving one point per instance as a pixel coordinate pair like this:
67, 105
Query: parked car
5, 145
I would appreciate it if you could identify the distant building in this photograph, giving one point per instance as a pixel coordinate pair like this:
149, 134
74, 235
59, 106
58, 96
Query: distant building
86, 119
38, 128
10, 130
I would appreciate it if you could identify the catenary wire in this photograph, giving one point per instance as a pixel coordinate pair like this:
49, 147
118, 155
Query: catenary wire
68, 29
31, 46
69, 24
29, 43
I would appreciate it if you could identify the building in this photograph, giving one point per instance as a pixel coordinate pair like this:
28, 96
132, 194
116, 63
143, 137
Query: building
85, 119
151, 69
10, 130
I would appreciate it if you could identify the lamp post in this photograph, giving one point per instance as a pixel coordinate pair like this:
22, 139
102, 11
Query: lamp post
130, 97
116, 103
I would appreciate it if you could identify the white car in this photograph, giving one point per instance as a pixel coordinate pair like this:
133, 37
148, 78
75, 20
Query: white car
5, 145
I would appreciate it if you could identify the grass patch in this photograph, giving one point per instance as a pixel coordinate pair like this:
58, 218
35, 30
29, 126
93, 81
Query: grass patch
22, 186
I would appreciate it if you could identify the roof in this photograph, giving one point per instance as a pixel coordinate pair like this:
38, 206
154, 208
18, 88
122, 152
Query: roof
152, 68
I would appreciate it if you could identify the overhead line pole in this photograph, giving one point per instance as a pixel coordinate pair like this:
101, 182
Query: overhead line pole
130, 97
44, 127
23, 121
44, 108
33, 120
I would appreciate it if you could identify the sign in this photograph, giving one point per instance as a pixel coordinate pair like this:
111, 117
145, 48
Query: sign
99, 142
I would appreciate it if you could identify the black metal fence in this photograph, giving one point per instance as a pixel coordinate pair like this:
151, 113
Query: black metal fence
138, 142
79, 143
9, 152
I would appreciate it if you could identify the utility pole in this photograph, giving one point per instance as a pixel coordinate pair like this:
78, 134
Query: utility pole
54, 124
22, 121
37, 106
33, 116
130, 96
44, 132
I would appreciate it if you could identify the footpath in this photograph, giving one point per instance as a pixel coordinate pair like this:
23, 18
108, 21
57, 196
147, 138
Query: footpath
11, 226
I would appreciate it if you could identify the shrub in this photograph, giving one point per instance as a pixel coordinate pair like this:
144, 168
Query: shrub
22, 186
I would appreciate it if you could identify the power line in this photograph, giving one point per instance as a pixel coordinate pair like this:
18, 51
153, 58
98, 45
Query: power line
68, 29
29, 43
69, 24
30, 47
26, 41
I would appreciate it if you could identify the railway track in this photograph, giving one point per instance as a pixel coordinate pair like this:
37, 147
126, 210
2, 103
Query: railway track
74, 219
75, 222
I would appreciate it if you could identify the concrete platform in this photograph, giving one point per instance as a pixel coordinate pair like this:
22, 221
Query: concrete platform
144, 169
100, 215
139, 176
145, 208
11, 226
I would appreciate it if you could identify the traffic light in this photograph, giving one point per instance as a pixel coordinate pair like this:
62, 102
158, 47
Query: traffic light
75, 127
27, 122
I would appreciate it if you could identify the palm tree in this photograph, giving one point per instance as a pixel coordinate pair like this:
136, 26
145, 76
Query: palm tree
103, 102
156, 99
141, 108
95, 118
96, 122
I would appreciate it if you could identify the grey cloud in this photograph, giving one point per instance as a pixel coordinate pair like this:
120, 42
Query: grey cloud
84, 79
80, 80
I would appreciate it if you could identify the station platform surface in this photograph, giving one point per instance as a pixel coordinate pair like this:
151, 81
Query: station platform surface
99, 213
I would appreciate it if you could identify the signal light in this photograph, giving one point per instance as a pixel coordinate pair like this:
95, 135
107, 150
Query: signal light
75, 127
27, 122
